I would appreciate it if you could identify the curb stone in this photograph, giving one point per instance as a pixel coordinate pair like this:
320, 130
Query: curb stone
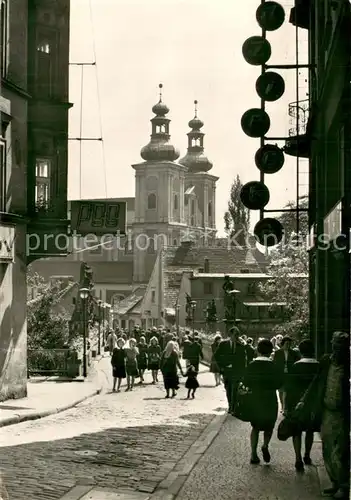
45, 413
169, 488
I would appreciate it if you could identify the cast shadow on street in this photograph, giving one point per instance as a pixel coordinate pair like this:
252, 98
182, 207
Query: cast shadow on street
111, 458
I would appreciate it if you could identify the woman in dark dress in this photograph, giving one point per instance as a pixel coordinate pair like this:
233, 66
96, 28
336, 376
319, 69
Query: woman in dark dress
142, 358
263, 379
301, 375
118, 364
214, 368
154, 356
169, 366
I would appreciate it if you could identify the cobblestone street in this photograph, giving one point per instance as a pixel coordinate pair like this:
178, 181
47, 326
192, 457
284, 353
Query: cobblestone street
112, 440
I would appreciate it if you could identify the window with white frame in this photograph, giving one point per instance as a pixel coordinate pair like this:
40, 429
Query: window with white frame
4, 37
3, 177
42, 182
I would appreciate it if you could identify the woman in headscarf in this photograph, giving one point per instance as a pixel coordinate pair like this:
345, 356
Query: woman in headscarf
169, 365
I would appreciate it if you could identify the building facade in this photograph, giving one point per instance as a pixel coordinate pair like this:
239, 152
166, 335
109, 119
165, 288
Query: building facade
329, 150
33, 170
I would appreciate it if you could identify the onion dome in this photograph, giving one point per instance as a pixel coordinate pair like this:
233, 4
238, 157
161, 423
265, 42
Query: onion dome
195, 159
159, 147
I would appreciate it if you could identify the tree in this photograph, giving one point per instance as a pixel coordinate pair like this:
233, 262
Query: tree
237, 217
288, 219
45, 329
290, 284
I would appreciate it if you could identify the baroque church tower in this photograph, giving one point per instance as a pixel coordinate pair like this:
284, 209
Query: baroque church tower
200, 186
160, 218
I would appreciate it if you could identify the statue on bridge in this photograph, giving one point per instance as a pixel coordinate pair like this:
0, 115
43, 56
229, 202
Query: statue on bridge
211, 313
229, 299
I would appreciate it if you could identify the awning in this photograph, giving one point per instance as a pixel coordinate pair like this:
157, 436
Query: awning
264, 304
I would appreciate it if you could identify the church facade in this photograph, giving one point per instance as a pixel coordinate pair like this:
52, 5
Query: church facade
175, 200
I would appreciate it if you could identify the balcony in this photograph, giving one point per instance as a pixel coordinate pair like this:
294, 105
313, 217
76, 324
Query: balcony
298, 143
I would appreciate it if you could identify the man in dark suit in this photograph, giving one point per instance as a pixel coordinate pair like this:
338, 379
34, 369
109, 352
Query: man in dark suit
284, 358
230, 357
194, 353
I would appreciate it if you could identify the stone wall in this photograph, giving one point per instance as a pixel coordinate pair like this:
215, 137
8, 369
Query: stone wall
13, 323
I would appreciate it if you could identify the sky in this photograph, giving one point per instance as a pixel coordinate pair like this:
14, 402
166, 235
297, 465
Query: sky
194, 48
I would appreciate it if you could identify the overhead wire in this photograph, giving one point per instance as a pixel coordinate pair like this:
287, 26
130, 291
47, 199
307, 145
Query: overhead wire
98, 97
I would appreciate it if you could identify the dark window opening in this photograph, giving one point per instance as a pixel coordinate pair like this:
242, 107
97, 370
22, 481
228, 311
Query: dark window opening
210, 209
208, 288
175, 202
153, 296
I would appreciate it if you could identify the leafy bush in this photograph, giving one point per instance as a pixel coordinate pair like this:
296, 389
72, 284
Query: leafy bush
45, 329
289, 269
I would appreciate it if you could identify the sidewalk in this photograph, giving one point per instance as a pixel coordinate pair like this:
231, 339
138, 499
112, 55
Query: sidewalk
224, 471
47, 396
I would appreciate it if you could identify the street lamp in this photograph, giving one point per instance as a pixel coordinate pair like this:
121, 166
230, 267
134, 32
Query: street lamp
193, 307
99, 320
177, 318
108, 307
84, 294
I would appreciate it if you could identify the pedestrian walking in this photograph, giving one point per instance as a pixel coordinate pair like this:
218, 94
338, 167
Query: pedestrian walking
186, 350
230, 357
169, 366
111, 341
131, 363
118, 364
154, 357
262, 377
195, 353
142, 357
301, 375
328, 397
214, 368
284, 358
191, 383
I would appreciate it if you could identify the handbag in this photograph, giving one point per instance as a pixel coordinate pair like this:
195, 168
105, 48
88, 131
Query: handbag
243, 407
306, 414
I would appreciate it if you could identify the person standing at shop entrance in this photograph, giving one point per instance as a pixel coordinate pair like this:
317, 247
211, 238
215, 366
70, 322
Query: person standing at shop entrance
230, 357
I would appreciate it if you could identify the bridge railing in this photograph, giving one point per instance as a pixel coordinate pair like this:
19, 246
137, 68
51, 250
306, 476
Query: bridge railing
51, 362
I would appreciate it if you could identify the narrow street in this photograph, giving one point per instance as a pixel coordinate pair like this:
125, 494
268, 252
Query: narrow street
126, 439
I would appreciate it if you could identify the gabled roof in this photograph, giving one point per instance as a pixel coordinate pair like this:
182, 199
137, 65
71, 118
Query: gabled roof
125, 305
189, 257
221, 259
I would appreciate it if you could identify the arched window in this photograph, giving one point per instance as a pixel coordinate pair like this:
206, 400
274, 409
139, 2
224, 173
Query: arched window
175, 202
151, 201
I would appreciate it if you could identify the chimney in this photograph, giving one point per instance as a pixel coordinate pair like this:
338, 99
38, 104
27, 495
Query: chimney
207, 266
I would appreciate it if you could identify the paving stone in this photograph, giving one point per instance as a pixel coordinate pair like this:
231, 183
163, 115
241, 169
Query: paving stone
133, 439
